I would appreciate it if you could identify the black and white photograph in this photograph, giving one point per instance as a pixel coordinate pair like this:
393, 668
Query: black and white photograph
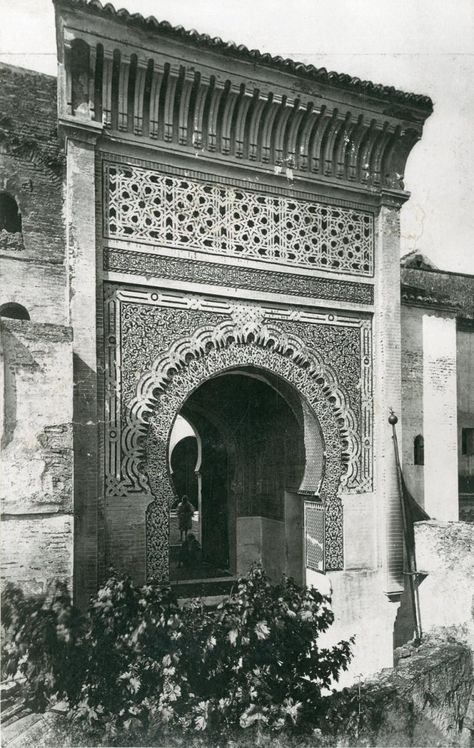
237, 373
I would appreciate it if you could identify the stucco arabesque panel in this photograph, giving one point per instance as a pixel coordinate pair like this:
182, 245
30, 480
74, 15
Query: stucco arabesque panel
131, 261
142, 323
334, 417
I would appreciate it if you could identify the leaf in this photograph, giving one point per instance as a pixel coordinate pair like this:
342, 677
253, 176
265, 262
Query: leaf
134, 684
200, 722
262, 630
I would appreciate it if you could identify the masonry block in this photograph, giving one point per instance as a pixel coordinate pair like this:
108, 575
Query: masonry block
445, 553
37, 449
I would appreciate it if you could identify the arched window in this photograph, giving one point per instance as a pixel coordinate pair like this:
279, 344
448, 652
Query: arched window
80, 62
467, 441
14, 311
10, 218
419, 450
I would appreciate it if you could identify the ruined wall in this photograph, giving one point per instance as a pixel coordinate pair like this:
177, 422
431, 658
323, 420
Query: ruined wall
37, 461
36, 364
32, 271
445, 553
423, 701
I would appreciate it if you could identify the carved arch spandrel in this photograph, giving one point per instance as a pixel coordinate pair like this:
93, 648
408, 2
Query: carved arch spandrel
177, 372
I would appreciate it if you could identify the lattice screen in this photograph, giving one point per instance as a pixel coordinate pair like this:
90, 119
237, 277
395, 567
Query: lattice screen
314, 535
143, 205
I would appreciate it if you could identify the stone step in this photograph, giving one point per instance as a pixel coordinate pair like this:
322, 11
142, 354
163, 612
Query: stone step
204, 587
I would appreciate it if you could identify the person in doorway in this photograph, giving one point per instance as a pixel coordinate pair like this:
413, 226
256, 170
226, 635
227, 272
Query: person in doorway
185, 511
190, 553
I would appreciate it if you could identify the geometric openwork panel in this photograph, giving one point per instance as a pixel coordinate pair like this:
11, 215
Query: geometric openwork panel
314, 535
143, 205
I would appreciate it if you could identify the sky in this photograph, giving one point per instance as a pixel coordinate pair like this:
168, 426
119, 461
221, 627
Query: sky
424, 46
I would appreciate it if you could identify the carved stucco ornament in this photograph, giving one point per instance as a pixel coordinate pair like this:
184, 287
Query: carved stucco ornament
188, 362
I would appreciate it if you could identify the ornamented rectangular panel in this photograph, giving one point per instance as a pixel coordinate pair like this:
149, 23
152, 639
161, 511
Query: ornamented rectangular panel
143, 205
255, 279
144, 326
314, 535
140, 322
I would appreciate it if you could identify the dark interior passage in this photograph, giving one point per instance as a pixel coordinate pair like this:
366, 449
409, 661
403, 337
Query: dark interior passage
251, 433
183, 467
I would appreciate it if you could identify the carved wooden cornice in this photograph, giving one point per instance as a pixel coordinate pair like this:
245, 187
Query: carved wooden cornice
154, 86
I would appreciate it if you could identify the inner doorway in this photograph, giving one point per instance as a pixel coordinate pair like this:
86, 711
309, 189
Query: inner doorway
240, 450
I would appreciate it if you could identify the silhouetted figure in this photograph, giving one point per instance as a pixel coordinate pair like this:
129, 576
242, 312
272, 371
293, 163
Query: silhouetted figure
190, 553
185, 511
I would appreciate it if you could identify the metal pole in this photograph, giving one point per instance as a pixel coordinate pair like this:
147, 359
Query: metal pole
411, 562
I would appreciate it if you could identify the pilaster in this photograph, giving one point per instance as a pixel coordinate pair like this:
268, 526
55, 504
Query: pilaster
81, 273
387, 389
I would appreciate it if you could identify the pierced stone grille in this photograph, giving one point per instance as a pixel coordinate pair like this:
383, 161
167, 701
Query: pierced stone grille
145, 206
314, 535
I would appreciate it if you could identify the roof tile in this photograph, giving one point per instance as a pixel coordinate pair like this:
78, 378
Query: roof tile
340, 80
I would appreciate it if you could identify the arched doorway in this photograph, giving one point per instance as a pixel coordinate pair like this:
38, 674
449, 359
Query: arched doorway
176, 373
243, 448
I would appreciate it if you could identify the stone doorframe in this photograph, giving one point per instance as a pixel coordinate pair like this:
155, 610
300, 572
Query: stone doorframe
190, 361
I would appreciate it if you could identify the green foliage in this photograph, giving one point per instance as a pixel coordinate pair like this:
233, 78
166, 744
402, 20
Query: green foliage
43, 644
143, 663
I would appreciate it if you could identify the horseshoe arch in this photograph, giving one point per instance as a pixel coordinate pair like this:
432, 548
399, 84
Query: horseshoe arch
210, 351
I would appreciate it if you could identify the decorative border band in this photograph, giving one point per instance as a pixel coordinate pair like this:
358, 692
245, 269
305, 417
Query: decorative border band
231, 276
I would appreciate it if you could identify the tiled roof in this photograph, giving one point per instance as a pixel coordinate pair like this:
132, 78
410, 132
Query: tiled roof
416, 259
240, 51
454, 291
421, 296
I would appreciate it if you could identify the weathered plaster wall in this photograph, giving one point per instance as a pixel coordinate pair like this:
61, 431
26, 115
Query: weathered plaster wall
37, 457
360, 532
262, 540
465, 387
32, 269
361, 609
440, 416
445, 552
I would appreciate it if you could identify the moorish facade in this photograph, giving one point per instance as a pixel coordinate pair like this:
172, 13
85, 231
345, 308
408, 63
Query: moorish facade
202, 252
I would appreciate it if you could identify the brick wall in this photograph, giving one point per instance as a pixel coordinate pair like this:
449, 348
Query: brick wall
37, 461
32, 269
465, 379
412, 397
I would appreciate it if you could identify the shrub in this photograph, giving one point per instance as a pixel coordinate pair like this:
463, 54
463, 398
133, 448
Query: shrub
145, 663
43, 644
